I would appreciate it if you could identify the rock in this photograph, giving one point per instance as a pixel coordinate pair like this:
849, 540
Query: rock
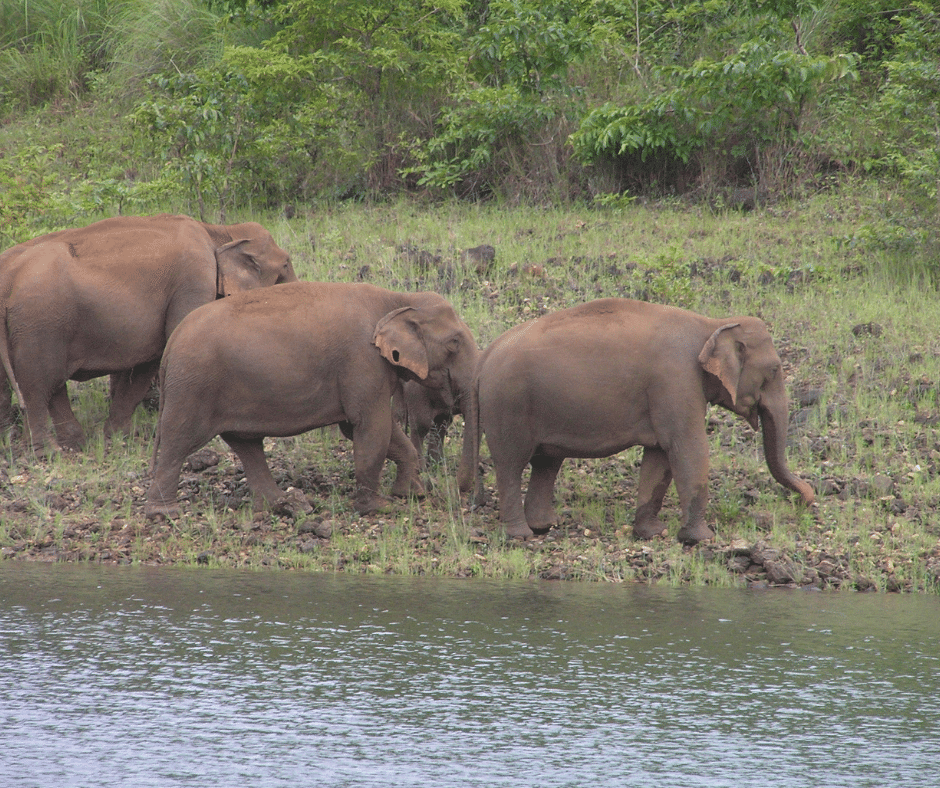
783, 571
870, 329
322, 529
481, 257
292, 504
882, 485
206, 458
863, 583
761, 554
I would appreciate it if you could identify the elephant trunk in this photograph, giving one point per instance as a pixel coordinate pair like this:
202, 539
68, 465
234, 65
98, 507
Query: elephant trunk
468, 472
774, 421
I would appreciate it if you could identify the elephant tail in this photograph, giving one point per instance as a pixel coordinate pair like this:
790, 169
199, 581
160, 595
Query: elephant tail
156, 435
5, 356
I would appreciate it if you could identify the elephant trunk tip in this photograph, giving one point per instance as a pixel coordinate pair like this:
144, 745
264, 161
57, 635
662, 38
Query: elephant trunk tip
793, 482
806, 492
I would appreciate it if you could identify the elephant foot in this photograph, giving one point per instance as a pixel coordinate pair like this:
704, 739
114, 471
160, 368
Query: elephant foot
543, 527
693, 534
519, 531
70, 439
292, 504
409, 488
159, 511
649, 528
369, 502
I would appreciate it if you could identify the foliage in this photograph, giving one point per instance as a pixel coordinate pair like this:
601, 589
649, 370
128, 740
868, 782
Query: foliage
365, 73
164, 37
212, 131
50, 48
909, 105
519, 57
281, 101
738, 105
27, 191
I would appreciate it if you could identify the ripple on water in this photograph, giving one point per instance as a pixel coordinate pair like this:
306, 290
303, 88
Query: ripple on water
159, 678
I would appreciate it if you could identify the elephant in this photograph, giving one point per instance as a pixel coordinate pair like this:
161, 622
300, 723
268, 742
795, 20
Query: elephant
102, 299
285, 360
428, 414
598, 378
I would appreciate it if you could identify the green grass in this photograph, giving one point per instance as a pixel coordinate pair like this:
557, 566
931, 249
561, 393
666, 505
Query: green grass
873, 418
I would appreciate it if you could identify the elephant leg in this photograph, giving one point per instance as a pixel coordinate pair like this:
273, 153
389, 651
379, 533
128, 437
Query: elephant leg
40, 407
372, 438
177, 437
690, 468
416, 434
250, 453
69, 432
540, 511
436, 437
6, 402
128, 390
655, 478
402, 452
37, 415
509, 489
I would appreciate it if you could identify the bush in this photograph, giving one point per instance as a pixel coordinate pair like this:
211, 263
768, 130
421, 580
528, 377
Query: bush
735, 119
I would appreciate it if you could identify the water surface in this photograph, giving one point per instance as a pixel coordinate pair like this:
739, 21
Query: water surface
157, 677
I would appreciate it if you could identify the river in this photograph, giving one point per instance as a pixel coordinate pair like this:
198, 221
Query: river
139, 677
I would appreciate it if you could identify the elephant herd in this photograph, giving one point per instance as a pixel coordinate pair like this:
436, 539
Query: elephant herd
244, 351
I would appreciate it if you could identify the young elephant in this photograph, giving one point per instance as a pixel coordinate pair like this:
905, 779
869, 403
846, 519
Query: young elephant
428, 414
285, 360
595, 379
102, 299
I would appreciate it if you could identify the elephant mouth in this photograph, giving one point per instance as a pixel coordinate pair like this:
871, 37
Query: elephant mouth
753, 417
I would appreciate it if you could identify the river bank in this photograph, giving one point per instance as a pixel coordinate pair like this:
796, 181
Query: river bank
859, 350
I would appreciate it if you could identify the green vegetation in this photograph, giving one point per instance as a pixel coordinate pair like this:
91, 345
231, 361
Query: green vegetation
858, 342
222, 105
778, 159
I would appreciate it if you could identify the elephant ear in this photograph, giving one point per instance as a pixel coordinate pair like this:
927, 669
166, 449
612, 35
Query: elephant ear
398, 340
236, 270
721, 358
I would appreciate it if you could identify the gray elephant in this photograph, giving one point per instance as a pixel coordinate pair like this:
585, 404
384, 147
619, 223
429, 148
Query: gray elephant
102, 299
286, 360
595, 379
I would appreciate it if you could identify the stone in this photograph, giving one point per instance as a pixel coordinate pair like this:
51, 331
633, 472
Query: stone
782, 571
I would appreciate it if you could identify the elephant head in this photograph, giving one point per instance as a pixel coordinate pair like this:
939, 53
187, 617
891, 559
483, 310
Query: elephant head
428, 342
247, 257
741, 356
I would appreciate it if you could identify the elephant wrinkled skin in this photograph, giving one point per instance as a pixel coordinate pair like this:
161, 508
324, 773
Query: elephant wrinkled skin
595, 379
102, 299
286, 360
